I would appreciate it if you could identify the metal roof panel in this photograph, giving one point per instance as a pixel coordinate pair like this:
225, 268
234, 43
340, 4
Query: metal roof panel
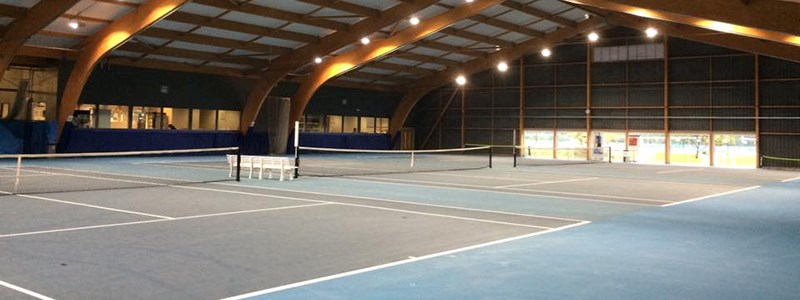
203, 10
253, 19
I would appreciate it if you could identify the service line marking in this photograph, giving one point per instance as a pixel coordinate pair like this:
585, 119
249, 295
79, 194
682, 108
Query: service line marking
25, 291
546, 182
712, 196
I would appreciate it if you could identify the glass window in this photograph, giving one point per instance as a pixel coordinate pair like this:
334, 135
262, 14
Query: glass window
382, 126
615, 141
367, 125
735, 150
228, 120
350, 124
177, 117
312, 123
571, 145
145, 117
204, 119
112, 116
333, 124
646, 148
689, 149
538, 144
84, 116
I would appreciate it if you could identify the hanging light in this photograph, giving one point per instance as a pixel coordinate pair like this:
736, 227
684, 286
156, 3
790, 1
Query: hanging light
651, 32
461, 80
546, 52
502, 66
593, 37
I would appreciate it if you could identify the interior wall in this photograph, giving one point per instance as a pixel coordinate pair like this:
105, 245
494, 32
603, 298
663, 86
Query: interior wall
709, 89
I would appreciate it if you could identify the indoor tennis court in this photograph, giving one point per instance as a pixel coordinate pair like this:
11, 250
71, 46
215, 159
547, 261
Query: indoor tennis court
399, 149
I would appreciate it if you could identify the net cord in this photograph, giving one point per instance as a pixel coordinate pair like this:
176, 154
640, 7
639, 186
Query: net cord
393, 151
123, 153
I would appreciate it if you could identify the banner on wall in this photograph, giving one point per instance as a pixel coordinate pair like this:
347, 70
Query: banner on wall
633, 141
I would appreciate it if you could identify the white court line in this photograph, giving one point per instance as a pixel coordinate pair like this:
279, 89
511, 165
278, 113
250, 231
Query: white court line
163, 220
546, 182
441, 173
790, 179
712, 196
445, 185
25, 291
92, 206
400, 201
396, 263
679, 171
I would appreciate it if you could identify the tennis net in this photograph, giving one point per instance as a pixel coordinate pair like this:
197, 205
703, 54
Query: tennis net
313, 161
71, 172
779, 162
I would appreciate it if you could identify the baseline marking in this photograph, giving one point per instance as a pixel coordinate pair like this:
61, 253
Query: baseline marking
396, 263
162, 220
546, 182
712, 196
25, 291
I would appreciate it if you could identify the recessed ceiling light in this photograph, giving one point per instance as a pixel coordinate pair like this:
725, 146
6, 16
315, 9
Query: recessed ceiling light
414, 20
365, 40
469, 1
74, 24
318, 60
593, 37
651, 32
546, 52
502, 66
461, 80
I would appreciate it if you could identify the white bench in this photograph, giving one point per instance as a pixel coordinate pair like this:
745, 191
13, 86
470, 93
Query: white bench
269, 163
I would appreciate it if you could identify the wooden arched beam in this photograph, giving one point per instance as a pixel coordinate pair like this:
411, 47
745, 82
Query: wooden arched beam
348, 61
105, 41
36, 19
777, 21
285, 64
447, 76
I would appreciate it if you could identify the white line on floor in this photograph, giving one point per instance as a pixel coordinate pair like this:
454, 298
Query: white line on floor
790, 179
545, 182
163, 220
400, 201
396, 263
445, 185
712, 196
678, 171
25, 291
94, 206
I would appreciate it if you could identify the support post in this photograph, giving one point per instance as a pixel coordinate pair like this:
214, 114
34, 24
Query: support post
296, 149
757, 108
666, 101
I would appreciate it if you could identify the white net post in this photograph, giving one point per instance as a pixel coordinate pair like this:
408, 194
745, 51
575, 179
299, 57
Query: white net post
296, 149
412, 159
16, 178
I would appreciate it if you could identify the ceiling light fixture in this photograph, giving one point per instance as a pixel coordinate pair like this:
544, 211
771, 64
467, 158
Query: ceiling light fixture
461, 80
502, 66
365, 40
546, 52
74, 24
414, 20
593, 37
318, 60
651, 32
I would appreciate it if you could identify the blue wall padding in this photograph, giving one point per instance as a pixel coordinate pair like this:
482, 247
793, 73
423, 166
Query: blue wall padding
25, 137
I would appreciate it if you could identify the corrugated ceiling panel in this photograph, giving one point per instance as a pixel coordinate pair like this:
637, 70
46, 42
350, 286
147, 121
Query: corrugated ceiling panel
486, 30
432, 66
197, 47
456, 41
278, 42
175, 59
401, 61
379, 5
376, 71
62, 25
22, 3
494, 11
312, 30
427, 51
292, 6
215, 32
463, 23
516, 17
253, 19
151, 40
172, 25
458, 57
79, 7
227, 65
203, 10
120, 53
543, 26
106, 11
551, 6
576, 15
329, 12
514, 37
361, 80
52, 41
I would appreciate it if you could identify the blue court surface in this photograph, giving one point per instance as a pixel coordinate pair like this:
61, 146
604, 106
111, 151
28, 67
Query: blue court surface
180, 228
